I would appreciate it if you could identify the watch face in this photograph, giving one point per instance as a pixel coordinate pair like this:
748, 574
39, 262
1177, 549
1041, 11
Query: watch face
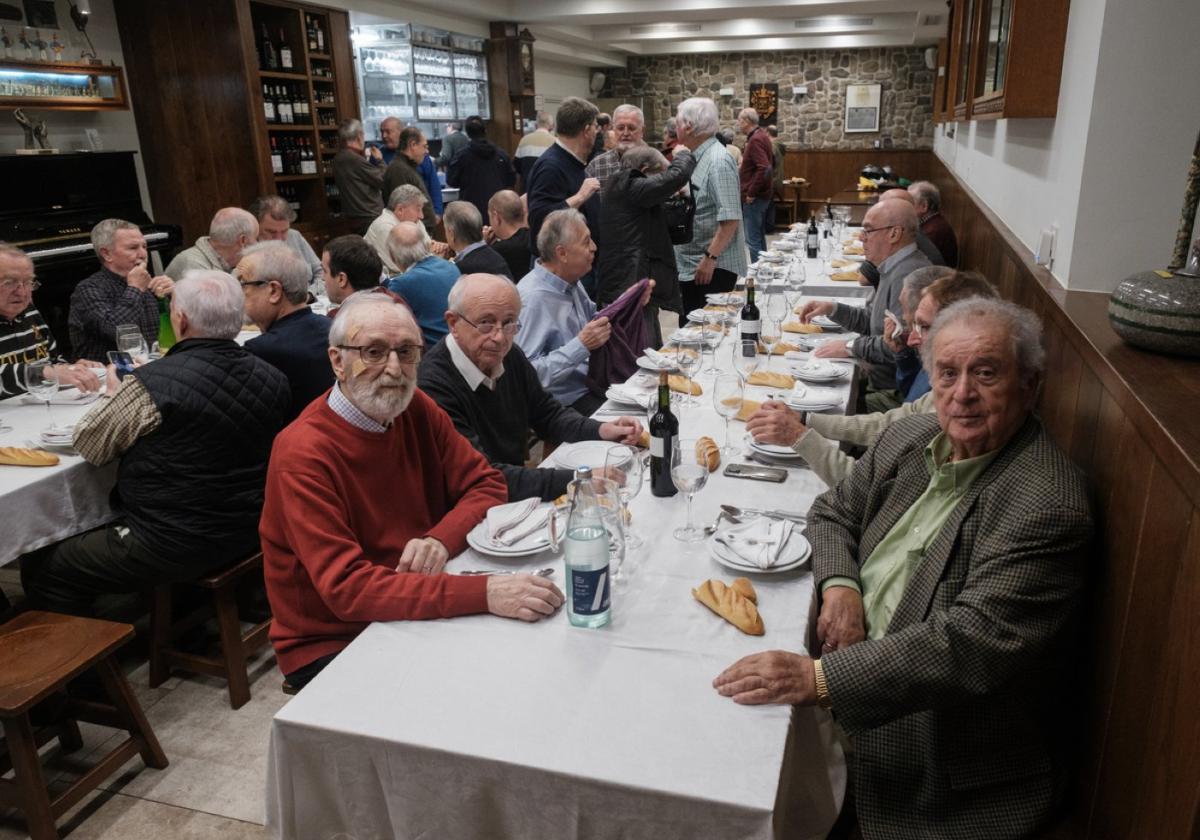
526, 57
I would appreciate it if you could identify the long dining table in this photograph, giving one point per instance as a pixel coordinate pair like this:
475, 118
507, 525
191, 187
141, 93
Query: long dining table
484, 727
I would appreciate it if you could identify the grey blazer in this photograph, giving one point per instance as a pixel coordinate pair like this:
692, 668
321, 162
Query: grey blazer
955, 711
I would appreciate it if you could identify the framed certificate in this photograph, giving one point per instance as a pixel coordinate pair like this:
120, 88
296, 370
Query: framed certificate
862, 108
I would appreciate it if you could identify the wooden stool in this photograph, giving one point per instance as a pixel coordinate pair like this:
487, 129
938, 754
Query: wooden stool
236, 646
39, 654
785, 211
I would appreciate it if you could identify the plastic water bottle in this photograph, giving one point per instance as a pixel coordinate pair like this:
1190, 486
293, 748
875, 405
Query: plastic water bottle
585, 555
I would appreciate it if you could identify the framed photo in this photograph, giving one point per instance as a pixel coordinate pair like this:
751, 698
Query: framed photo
40, 14
862, 108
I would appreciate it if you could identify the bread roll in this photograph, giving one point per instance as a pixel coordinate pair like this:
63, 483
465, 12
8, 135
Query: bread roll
771, 379
745, 588
679, 384
644, 440
798, 327
17, 456
844, 275
747, 410
840, 263
852, 249
731, 605
708, 453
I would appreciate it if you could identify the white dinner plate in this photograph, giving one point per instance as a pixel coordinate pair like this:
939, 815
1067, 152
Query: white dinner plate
774, 450
625, 395
534, 543
697, 315
826, 321
645, 364
588, 453
723, 299
819, 370
797, 548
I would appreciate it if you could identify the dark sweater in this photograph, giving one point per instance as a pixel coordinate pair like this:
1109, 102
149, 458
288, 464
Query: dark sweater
480, 171
555, 177
485, 260
515, 251
298, 346
403, 171
497, 422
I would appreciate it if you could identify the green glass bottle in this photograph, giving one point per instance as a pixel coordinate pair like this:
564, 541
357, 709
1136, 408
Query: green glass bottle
166, 333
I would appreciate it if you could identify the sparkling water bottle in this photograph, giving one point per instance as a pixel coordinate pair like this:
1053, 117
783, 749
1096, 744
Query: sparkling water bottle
586, 556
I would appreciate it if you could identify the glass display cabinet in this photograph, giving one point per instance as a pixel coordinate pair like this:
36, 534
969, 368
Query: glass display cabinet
62, 87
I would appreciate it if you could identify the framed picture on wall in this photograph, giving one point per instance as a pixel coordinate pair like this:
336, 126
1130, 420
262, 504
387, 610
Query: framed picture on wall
862, 108
41, 14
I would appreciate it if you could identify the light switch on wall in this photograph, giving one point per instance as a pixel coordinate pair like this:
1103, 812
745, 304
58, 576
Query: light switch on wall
1045, 250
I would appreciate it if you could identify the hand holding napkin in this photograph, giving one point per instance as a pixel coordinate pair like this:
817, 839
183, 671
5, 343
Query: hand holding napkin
734, 603
509, 524
759, 542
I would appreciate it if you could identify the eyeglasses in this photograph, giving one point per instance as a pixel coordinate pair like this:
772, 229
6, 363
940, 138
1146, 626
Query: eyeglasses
10, 283
919, 329
487, 326
867, 231
377, 354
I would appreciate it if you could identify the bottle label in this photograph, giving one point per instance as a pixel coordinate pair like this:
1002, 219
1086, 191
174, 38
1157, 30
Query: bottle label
751, 327
656, 447
589, 591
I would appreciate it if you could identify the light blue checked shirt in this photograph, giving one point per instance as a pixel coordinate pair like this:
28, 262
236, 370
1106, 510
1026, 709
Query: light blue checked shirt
553, 312
718, 199
352, 414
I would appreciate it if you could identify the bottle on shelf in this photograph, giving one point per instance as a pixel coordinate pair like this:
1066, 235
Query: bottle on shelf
310, 30
269, 104
308, 161
320, 35
285, 52
812, 242
750, 324
284, 106
664, 427
276, 157
585, 555
266, 51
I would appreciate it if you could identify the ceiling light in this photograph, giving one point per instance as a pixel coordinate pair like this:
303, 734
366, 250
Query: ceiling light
822, 22
663, 28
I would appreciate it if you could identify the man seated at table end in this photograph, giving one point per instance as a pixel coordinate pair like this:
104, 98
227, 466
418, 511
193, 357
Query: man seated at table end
492, 393
369, 492
949, 567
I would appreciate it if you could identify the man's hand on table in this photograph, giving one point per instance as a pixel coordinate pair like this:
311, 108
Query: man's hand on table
813, 308
624, 430
423, 556
775, 423
842, 621
595, 333
527, 597
834, 348
78, 375
774, 676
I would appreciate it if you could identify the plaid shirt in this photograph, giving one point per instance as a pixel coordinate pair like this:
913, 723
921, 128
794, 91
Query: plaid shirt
24, 339
604, 166
113, 425
102, 302
718, 199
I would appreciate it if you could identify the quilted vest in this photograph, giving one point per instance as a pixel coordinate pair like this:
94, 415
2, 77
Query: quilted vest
192, 489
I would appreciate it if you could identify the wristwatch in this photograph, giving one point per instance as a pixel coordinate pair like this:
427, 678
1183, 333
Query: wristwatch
850, 347
710, 256
821, 686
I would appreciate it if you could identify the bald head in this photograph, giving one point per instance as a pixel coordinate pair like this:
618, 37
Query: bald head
408, 243
895, 194
888, 226
483, 319
899, 213
231, 231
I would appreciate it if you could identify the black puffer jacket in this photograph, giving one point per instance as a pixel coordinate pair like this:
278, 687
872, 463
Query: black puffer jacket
480, 171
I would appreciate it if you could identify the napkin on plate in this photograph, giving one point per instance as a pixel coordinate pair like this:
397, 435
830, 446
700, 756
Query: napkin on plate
660, 359
511, 523
759, 542
631, 396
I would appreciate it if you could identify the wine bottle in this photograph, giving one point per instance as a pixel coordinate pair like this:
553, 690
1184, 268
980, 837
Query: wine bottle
267, 51
285, 52
166, 332
311, 31
751, 323
320, 37
285, 107
664, 427
812, 240
268, 104
276, 158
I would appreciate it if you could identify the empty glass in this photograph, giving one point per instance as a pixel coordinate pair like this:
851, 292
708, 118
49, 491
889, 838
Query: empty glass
623, 465
689, 476
39, 383
769, 335
130, 340
713, 331
746, 358
728, 392
688, 358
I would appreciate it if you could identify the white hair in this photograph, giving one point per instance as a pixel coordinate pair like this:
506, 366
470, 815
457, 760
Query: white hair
229, 223
700, 114
927, 192
349, 131
921, 279
559, 228
404, 195
360, 300
749, 115
463, 222
466, 284
105, 232
629, 109
1021, 326
408, 253
212, 301
276, 261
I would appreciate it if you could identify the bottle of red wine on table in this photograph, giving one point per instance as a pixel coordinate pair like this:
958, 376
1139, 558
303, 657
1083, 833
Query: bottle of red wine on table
812, 240
664, 427
751, 322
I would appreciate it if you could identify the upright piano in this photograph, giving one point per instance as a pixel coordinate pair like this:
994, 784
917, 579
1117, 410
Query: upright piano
48, 207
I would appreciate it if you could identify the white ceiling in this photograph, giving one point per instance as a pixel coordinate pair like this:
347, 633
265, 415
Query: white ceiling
606, 32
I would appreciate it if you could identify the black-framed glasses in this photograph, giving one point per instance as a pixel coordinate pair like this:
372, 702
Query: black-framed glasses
867, 231
10, 283
377, 354
487, 326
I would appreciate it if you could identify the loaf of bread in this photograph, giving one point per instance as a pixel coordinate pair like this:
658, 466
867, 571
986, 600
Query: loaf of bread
799, 327
771, 379
17, 456
840, 263
679, 384
844, 275
731, 604
644, 440
747, 410
777, 349
708, 453
855, 248
745, 588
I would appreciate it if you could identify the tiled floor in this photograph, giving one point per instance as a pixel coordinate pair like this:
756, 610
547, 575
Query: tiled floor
214, 786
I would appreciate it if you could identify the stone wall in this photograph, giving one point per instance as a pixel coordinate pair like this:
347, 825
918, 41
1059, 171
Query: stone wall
815, 120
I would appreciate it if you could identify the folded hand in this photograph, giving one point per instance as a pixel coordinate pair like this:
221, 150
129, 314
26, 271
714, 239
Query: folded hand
527, 597
423, 556
842, 621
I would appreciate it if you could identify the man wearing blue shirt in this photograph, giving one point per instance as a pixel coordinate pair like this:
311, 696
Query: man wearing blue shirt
424, 280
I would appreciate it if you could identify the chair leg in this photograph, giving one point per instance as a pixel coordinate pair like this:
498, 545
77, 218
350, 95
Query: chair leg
31, 784
69, 737
232, 650
160, 635
131, 712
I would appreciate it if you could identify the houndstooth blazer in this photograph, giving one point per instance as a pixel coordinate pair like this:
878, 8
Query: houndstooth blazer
955, 711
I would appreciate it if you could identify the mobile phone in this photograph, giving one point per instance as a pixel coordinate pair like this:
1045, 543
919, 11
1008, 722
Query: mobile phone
756, 473
122, 361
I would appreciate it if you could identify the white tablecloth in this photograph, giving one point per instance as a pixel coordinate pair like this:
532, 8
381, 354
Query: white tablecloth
484, 727
43, 505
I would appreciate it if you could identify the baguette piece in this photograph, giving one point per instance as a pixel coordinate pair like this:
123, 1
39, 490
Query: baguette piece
844, 275
777, 349
747, 410
733, 606
798, 327
644, 440
679, 384
771, 379
708, 453
18, 456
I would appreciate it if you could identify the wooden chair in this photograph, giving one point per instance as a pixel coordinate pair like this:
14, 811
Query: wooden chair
785, 210
236, 646
39, 654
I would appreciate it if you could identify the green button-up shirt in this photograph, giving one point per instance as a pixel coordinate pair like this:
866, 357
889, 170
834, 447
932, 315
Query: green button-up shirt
886, 573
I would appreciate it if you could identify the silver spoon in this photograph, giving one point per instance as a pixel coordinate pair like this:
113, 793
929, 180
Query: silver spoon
777, 514
546, 572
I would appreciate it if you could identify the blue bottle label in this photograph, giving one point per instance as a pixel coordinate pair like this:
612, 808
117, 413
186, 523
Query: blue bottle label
589, 591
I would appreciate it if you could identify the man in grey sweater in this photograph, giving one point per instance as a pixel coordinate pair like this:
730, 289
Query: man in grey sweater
231, 231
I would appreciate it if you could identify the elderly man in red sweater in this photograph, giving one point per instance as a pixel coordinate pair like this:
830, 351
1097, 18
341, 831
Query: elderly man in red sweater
368, 493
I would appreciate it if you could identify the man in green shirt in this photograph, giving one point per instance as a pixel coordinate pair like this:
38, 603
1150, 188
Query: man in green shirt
948, 565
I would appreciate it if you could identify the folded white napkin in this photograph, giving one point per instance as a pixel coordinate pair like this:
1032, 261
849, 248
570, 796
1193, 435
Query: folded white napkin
796, 355
508, 524
629, 395
65, 396
759, 542
660, 359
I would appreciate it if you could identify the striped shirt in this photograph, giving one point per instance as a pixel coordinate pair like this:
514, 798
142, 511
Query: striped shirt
24, 339
718, 199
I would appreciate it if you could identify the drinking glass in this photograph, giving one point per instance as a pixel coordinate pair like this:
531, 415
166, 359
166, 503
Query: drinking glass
39, 384
688, 360
746, 360
623, 464
134, 344
690, 477
728, 393
769, 336
713, 332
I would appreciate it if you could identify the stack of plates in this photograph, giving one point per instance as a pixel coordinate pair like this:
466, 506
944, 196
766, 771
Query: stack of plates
787, 244
533, 543
812, 399
57, 436
819, 370
771, 449
825, 322
770, 256
693, 334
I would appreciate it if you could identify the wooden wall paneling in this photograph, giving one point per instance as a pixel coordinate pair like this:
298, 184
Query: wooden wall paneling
1087, 420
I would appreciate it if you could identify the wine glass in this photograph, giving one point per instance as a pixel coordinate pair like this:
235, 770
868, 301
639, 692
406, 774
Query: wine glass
770, 334
712, 332
690, 477
40, 384
746, 361
688, 358
728, 392
623, 464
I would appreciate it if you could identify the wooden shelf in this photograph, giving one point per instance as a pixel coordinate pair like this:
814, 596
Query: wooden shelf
287, 178
329, 106
278, 127
283, 74
322, 56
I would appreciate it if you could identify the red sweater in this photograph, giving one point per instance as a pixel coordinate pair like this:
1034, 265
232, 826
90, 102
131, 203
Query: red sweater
340, 505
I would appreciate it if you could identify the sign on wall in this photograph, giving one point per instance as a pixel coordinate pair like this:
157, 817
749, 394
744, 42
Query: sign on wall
764, 98
862, 107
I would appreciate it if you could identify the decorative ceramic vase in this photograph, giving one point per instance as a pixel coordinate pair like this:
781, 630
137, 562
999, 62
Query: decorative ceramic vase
1160, 310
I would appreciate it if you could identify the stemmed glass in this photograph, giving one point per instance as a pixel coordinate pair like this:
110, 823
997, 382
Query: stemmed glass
688, 358
712, 332
746, 361
623, 464
39, 384
728, 392
130, 340
689, 476
769, 336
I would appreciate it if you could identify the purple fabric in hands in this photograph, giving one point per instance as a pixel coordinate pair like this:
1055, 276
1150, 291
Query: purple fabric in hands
616, 359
